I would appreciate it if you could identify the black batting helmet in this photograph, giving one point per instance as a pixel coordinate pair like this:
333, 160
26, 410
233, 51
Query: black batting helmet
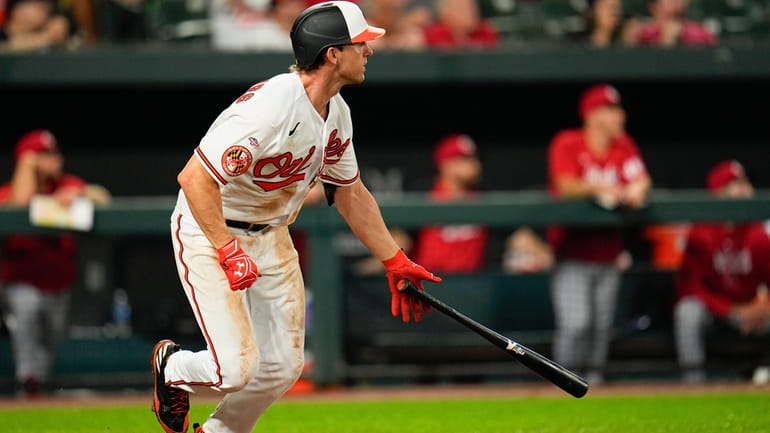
328, 24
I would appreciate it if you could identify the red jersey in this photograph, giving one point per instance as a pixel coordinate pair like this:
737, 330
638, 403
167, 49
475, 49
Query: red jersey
438, 35
48, 262
692, 34
569, 155
723, 266
457, 248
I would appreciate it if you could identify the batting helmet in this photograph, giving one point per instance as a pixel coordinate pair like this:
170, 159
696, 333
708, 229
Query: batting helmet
328, 24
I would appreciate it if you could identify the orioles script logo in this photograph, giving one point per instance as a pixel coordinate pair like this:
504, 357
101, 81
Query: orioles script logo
282, 170
334, 149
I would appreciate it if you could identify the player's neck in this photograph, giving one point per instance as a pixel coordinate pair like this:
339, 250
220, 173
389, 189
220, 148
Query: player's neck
320, 89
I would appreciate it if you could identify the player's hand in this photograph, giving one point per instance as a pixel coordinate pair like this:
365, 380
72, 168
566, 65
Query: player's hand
753, 316
608, 196
397, 268
240, 270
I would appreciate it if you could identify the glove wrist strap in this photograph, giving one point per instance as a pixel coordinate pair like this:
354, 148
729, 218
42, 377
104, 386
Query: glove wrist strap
396, 261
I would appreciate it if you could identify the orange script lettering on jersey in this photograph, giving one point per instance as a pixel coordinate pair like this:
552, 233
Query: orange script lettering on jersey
334, 149
284, 166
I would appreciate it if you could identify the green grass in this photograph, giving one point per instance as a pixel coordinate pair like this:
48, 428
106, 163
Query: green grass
734, 413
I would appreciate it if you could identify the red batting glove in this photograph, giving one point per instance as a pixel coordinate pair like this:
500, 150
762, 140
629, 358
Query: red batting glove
398, 268
241, 271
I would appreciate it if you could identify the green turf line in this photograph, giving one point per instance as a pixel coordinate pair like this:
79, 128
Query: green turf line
734, 413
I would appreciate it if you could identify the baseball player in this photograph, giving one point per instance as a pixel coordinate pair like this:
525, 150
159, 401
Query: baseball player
723, 277
37, 272
242, 187
601, 162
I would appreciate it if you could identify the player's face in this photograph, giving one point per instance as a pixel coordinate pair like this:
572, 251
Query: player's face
611, 118
49, 164
466, 171
352, 64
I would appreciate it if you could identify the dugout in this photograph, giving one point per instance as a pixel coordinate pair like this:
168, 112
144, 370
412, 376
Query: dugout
128, 118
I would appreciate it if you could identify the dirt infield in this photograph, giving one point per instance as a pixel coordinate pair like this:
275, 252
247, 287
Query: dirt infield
451, 391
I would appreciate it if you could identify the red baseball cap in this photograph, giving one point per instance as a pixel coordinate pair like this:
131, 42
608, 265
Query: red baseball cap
724, 173
453, 146
598, 96
38, 141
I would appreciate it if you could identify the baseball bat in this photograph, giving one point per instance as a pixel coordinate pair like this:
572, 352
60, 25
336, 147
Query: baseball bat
548, 369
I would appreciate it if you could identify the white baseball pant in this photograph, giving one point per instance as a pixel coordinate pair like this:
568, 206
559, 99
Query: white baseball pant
255, 337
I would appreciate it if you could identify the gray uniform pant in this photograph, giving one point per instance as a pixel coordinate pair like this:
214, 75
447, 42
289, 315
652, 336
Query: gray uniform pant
584, 297
37, 323
691, 321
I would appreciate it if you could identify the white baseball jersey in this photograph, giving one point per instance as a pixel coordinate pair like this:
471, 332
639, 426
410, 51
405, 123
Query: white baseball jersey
270, 146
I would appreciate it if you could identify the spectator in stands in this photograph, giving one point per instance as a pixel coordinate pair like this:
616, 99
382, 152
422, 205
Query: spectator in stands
405, 27
723, 277
250, 25
244, 25
599, 162
37, 271
459, 25
35, 25
606, 24
670, 27
455, 248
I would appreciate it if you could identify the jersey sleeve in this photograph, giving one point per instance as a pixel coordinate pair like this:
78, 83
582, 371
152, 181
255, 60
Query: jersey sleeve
340, 166
237, 137
228, 148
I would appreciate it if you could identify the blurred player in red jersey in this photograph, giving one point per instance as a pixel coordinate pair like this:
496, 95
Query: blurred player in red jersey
456, 248
601, 162
724, 275
36, 271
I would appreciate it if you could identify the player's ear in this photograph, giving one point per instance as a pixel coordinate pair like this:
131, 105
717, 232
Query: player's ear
332, 55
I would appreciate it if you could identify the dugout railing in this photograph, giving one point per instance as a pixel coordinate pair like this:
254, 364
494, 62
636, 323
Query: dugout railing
148, 218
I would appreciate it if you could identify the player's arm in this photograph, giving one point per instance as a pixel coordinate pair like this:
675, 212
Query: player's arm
24, 180
574, 187
564, 172
360, 210
205, 203
636, 192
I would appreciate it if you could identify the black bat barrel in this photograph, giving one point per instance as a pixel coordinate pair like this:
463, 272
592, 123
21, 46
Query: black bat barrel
548, 369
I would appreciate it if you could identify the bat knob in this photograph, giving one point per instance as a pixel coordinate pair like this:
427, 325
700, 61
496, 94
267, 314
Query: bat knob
401, 285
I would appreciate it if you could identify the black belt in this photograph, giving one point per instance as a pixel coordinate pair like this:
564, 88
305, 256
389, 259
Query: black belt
245, 226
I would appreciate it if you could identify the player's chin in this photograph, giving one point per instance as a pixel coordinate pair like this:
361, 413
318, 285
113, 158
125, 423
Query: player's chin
357, 79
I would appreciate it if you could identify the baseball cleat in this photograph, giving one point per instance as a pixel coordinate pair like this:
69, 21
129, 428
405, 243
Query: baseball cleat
171, 405
197, 428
